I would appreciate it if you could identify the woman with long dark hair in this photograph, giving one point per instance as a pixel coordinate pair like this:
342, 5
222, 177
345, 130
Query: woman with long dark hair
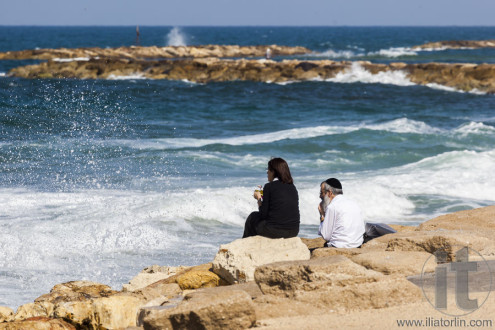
278, 215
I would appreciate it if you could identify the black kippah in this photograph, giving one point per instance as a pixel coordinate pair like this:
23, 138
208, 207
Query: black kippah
332, 182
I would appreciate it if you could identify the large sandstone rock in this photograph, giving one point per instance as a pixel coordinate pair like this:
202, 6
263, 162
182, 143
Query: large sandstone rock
91, 305
116, 312
314, 243
219, 309
151, 275
335, 282
448, 241
479, 220
76, 291
39, 309
37, 323
235, 262
6, 314
198, 279
396, 262
330, 251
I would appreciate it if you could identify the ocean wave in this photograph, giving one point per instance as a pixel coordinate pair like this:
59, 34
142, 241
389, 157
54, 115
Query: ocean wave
475, 128
349, 54
357, 73
400, 125
460, 174
290, 134
405, 125
2, 74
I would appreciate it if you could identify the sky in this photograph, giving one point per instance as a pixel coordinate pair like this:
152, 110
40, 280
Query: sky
249, 12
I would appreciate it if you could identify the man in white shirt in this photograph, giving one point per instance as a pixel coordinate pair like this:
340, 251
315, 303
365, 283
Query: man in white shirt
341, 221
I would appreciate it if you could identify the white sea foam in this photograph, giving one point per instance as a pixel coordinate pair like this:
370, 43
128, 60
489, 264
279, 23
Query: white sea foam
475, 128
455, 90
356, 73
460, 174
405, 125
176, 37
75, 59
394, 52
330, 53
2, 74
439, 49
135, 76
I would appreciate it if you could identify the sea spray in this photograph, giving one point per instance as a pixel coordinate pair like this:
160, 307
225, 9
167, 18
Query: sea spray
176, 37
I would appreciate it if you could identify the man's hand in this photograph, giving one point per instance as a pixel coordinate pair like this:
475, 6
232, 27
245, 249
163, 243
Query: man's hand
322, 212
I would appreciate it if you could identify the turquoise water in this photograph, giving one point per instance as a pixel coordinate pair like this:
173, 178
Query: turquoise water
101, 178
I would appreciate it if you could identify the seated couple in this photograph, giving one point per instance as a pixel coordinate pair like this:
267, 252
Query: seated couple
341, 222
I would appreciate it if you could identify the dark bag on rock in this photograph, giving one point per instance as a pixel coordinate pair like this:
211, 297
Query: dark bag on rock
374, 230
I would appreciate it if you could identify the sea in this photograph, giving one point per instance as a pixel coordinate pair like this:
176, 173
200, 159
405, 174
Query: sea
102, 178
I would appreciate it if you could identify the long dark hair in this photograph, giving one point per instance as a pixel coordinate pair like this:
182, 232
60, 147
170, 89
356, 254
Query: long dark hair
280, 169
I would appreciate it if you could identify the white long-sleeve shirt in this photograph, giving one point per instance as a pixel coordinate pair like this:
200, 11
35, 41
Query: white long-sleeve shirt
343, 226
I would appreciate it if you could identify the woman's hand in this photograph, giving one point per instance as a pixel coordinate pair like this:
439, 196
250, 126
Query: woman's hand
257, 195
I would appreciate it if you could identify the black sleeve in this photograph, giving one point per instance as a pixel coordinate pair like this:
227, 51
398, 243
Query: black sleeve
266, 201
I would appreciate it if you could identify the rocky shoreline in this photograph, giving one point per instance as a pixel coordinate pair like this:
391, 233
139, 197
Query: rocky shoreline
269, 283
457, 44
153, 52
463, 77
214, 63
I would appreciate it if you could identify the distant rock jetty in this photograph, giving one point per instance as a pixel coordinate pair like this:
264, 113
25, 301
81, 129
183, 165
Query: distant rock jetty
154, 52
216, 63
457, 44
464, 77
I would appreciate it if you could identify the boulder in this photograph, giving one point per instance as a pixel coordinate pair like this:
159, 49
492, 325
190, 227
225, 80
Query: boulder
30, 310
235, 262
314, 243
218, 309
151, 275
37, 323
330, 251
335, 282
116, 312
156, 290
396, 262
6, 314
79, 313
449, 241
198, 279
76, 291
481, 219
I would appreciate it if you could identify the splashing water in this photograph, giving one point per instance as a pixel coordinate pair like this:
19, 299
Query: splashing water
176, 38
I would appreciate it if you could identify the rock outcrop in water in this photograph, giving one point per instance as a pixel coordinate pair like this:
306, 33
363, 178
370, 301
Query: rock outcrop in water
464, 77
355, 288
153, 52
457, 44
204, 64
